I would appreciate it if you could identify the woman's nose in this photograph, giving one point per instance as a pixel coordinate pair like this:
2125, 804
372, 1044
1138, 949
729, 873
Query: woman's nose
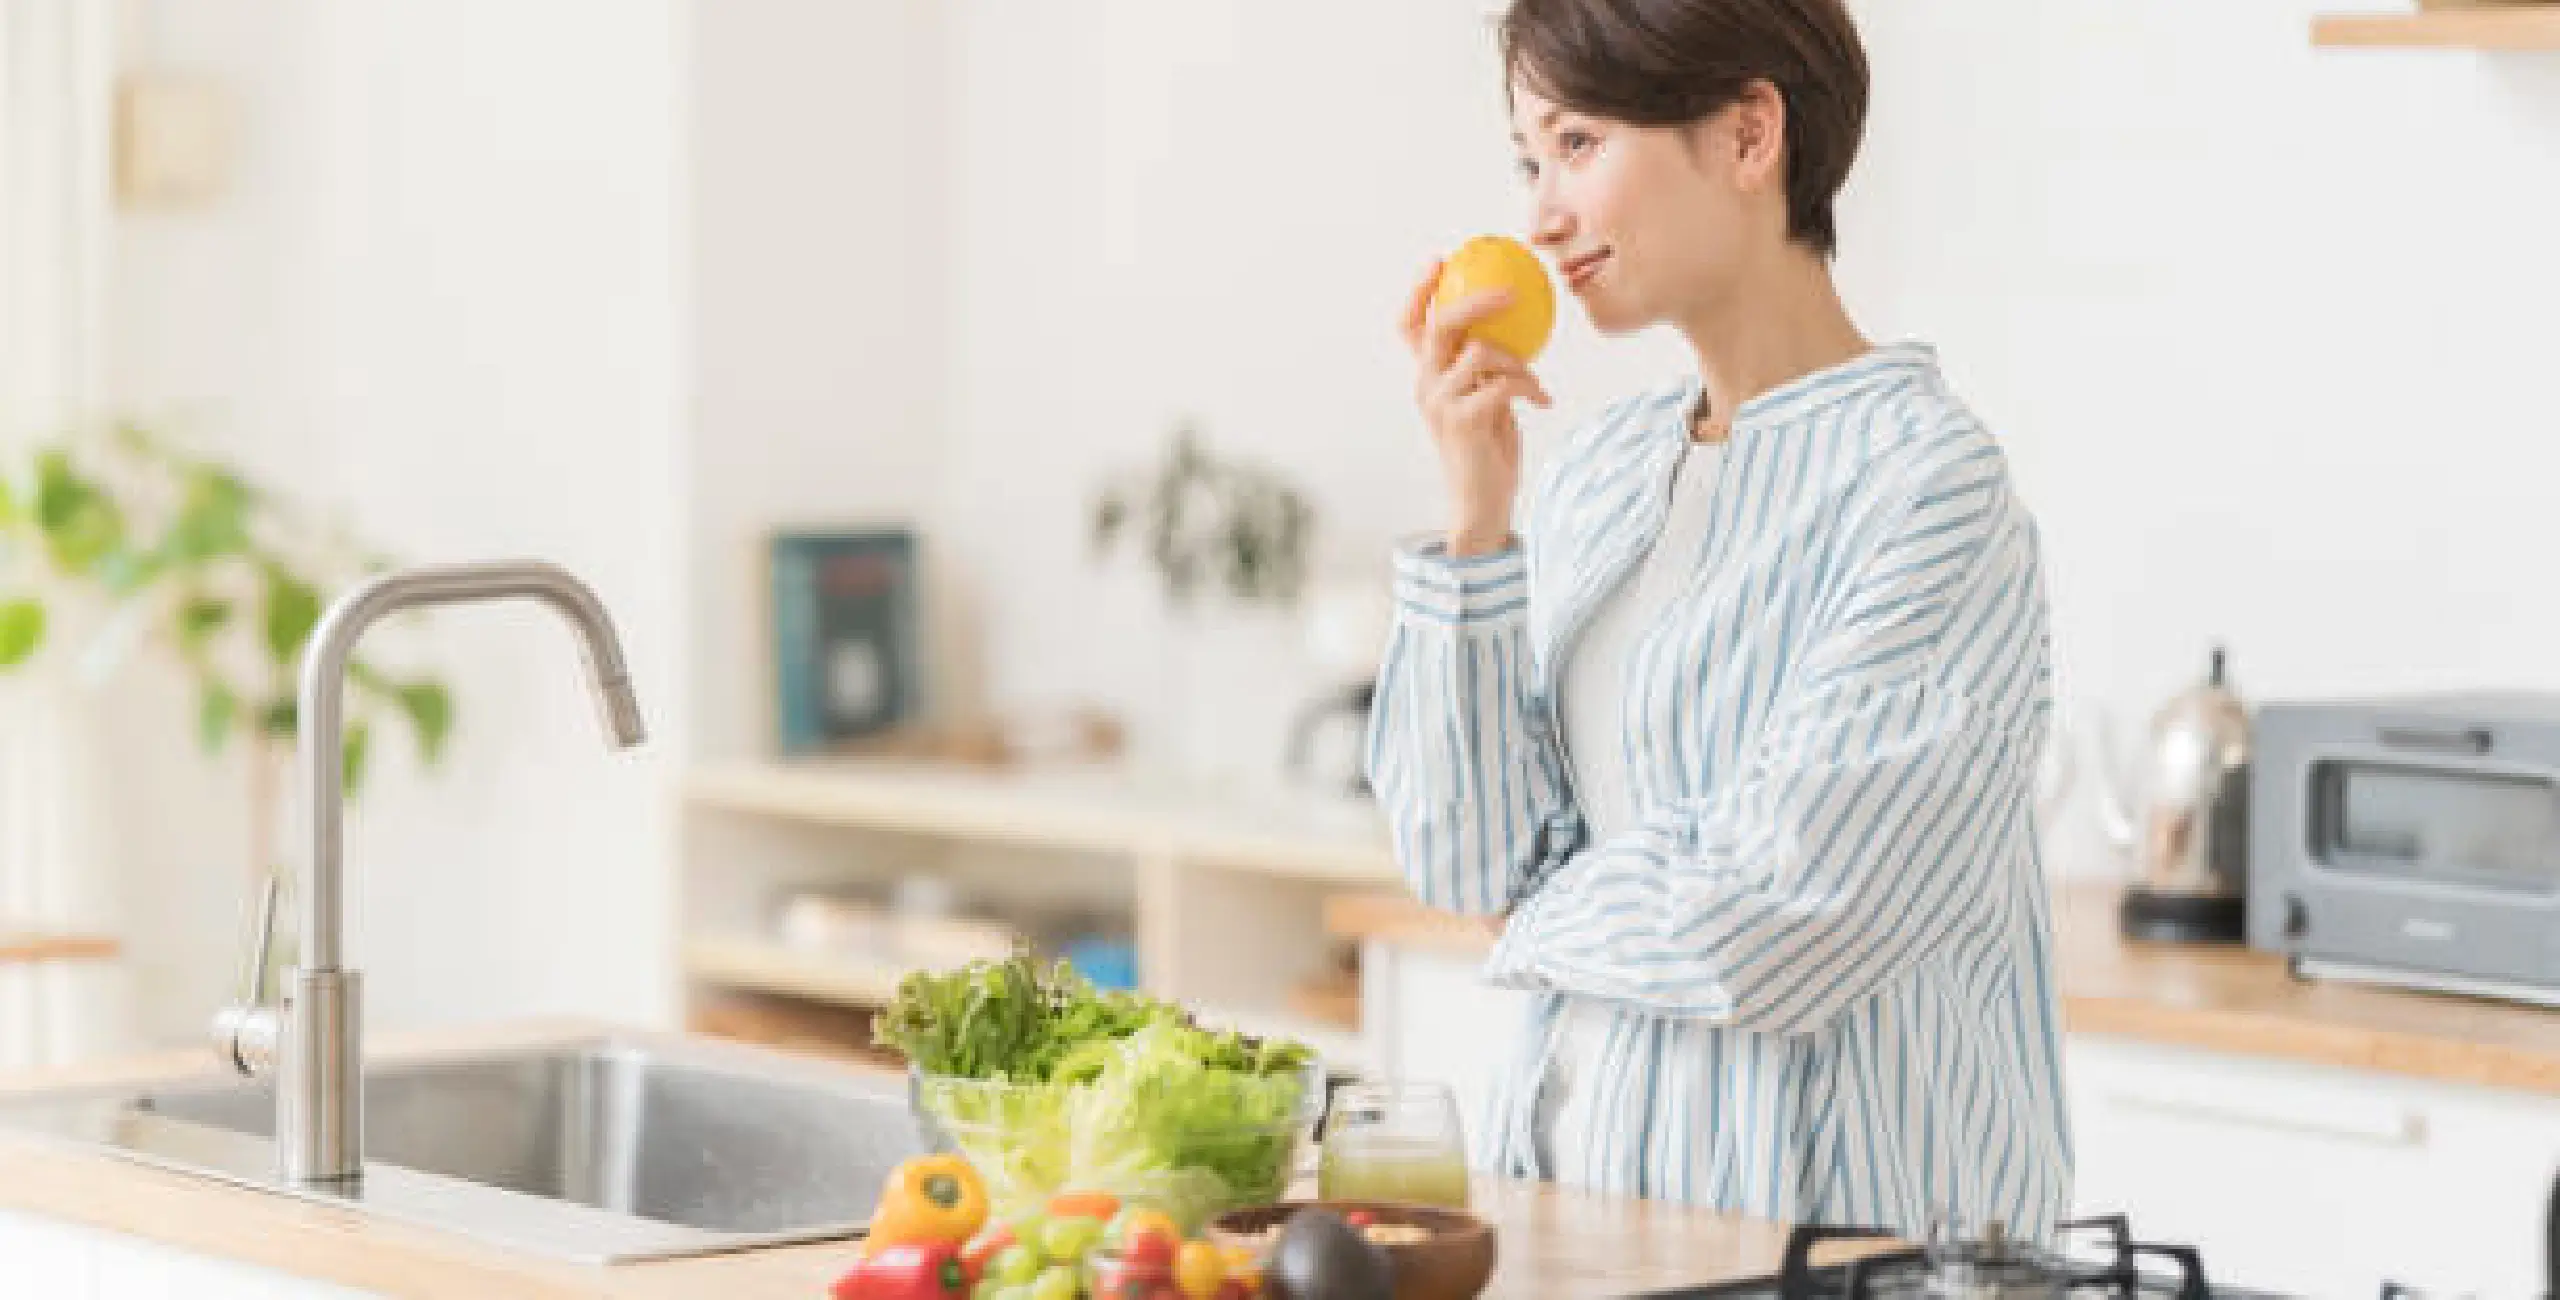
1550, 224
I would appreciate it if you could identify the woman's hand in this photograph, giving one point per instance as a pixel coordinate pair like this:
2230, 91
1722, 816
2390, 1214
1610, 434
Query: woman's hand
1465, 390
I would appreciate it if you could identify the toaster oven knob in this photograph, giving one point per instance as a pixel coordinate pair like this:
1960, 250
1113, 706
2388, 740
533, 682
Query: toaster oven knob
2297, 918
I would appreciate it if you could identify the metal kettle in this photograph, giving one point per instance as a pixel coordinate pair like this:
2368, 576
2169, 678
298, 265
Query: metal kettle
2182, 819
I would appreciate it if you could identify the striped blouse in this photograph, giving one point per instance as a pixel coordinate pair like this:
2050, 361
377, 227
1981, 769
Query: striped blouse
1820, 962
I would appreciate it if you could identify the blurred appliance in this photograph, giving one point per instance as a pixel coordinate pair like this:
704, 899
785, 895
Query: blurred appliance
1347, 623
1332, 726
2182, 817
2412, 841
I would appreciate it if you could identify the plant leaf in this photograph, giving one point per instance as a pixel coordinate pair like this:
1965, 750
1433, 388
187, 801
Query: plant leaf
370, 678
430, 709
124, 571
21, 630
199, 617
212, 520
80, 523
293, 608
215, 714
280, 717
359, 741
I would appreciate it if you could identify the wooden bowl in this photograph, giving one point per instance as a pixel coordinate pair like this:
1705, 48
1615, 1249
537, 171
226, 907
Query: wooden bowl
1453, 1263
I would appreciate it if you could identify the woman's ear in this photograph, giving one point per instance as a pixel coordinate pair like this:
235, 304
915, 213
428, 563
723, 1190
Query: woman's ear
1759, 135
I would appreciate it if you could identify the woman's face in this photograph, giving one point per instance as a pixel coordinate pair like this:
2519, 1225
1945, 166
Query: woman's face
1644, 224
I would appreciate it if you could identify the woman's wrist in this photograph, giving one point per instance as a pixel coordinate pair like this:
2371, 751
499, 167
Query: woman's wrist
1478, 539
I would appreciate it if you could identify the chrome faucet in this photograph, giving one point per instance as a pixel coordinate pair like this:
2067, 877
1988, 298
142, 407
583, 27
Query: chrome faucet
312, 1040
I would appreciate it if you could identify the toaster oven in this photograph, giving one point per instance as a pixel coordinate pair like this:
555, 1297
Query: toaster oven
2411, 841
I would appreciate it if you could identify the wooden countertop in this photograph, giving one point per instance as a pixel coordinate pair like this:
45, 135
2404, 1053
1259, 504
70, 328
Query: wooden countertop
1550, 1243
25, 943
2236, 1000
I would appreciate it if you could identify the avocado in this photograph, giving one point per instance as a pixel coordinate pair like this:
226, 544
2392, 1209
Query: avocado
1320, 1257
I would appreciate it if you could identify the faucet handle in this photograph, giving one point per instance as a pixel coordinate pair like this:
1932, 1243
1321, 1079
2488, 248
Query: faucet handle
245, 1032
262, 942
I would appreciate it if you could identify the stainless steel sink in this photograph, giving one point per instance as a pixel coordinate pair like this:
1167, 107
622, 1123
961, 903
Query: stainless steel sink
600, 1151
603, 1151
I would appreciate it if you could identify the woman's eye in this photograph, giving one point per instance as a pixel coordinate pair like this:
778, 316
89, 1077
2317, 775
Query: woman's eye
1571, 143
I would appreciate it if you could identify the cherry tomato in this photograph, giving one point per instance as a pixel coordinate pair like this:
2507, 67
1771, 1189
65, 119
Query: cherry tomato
1145, 1236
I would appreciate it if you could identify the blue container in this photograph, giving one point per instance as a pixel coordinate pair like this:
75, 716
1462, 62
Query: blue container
1106, 963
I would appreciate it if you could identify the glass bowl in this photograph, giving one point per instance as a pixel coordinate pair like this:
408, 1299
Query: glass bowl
1030, 1142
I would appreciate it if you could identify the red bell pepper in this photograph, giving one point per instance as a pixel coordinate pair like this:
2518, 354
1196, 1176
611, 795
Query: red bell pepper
907, 1271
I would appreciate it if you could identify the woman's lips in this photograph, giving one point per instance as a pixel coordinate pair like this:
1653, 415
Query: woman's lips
1578, 271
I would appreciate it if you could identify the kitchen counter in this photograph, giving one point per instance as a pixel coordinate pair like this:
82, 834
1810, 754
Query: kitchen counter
2235, 1000
1551, 1243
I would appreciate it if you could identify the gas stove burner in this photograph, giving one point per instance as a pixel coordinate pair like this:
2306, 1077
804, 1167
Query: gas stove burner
1992, 1265
2095, 1257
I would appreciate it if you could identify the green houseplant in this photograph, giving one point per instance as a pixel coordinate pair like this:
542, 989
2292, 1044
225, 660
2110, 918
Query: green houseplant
1229, 526
170, 547
1229, 540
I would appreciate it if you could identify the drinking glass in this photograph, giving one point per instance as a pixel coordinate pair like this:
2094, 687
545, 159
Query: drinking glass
1394, 1142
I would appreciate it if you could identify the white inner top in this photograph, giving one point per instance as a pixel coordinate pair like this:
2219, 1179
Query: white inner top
1595, 685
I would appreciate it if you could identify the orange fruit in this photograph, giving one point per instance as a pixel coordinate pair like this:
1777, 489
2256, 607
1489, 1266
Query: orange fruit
1489, 262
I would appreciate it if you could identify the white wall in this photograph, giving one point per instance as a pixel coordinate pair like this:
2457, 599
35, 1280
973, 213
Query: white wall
448, 294
2264, 326
818, 256
2258, 322
1205, 207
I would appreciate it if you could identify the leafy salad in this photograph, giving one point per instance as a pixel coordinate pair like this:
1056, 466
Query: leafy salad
1047, 1084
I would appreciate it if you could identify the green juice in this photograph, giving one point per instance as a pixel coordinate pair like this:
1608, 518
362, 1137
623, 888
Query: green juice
1361, 1167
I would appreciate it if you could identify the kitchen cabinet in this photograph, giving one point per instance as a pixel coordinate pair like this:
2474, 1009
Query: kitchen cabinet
65, 1261
2308, 1179
1224, 893
2316, 1179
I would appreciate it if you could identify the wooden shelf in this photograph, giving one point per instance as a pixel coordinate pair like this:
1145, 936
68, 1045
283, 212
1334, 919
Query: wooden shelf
1085, 810
757, 966
793, 1025
25, 944
1340, 1049
1225, 891
2498, 27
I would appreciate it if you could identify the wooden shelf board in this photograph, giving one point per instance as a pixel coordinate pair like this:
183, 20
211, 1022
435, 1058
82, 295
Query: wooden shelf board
2502, 27
28, 944
756, 966
1089, 810
760, 966
1340, 1049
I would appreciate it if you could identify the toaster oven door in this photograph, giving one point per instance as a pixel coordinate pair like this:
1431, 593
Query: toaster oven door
2440, 873
2461, 828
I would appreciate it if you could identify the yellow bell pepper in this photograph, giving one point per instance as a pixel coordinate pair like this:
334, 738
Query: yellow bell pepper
929, 1200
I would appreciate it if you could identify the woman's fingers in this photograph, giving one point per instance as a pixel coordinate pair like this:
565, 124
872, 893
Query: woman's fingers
1444, 332
1494, 396
1475, 363
1479, 365
1417, 307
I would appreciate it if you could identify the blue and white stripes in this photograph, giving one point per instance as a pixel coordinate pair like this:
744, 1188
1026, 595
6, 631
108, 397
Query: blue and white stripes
1822, 958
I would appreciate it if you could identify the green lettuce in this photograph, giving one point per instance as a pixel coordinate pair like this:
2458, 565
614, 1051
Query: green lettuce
1046, 1085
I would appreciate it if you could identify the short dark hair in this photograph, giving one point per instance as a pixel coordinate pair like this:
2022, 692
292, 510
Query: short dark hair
1673, 62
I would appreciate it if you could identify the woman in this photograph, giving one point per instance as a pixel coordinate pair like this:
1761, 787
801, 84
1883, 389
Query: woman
1734, 734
